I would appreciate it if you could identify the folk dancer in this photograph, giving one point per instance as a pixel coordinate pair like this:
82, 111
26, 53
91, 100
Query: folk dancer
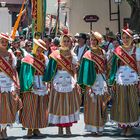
92, 79
124, 76
10, 102
34, 114
64, 101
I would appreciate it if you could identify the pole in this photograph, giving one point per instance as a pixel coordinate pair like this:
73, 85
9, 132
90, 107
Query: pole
65, 22
58, 15
90, 27
119, 18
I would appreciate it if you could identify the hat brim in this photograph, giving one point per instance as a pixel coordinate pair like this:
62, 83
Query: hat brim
124, 31
98, 36
136, 38
2, 35
111, 36
78, 37
7, 38
37, 43
41, 42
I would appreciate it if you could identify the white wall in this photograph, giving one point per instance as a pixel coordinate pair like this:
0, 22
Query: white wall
51, 6
80, 8
5, 20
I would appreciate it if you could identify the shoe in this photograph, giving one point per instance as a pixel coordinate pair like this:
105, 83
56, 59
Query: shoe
129, 132
23, 128
123, 132
4, 134
36, 132
29, 133
68, 131
99, 133
60, 131
93, 133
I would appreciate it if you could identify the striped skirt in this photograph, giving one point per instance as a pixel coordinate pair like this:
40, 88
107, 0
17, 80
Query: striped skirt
95, 114
125, 108
10, 104
34, 113
64, 107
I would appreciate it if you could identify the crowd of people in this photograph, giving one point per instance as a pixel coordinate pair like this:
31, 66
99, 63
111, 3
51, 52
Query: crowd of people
44, 81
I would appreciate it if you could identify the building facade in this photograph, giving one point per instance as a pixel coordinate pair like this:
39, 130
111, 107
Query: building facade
77, 9
8, 14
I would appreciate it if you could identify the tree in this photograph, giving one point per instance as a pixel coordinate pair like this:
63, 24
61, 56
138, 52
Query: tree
135, 15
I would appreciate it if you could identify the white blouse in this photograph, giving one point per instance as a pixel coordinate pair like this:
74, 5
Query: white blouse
126, 75
39, 87
6, 84
99, 87
63, 81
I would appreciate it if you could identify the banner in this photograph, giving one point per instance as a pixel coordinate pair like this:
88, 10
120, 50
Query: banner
38, 15
17, 21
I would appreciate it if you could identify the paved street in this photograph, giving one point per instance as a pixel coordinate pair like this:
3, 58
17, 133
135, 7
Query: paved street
111, 133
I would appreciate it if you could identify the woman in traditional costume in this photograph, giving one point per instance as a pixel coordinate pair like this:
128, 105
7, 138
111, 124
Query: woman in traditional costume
9, 87
124, 76
34, 92
91, 78
64, 101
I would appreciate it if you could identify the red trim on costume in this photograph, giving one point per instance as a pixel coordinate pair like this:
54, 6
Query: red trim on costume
65, 63
125, 57
96, 59
66, 124
36, 63
8, 70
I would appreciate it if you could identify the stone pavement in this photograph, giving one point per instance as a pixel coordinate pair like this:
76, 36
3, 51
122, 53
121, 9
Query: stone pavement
111, 132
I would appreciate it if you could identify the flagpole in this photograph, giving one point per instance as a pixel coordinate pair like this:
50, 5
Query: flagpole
65, 22
50, 25
58, 15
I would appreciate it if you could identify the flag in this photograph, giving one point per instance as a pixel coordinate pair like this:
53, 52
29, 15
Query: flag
38, 15
17, 21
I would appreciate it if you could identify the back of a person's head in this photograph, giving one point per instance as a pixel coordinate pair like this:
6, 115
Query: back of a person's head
56, 41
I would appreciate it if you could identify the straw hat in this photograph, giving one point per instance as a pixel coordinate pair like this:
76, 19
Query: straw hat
136, 36
128, 32
111, 35
40, 43
5, 36
76, 35
97, 35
